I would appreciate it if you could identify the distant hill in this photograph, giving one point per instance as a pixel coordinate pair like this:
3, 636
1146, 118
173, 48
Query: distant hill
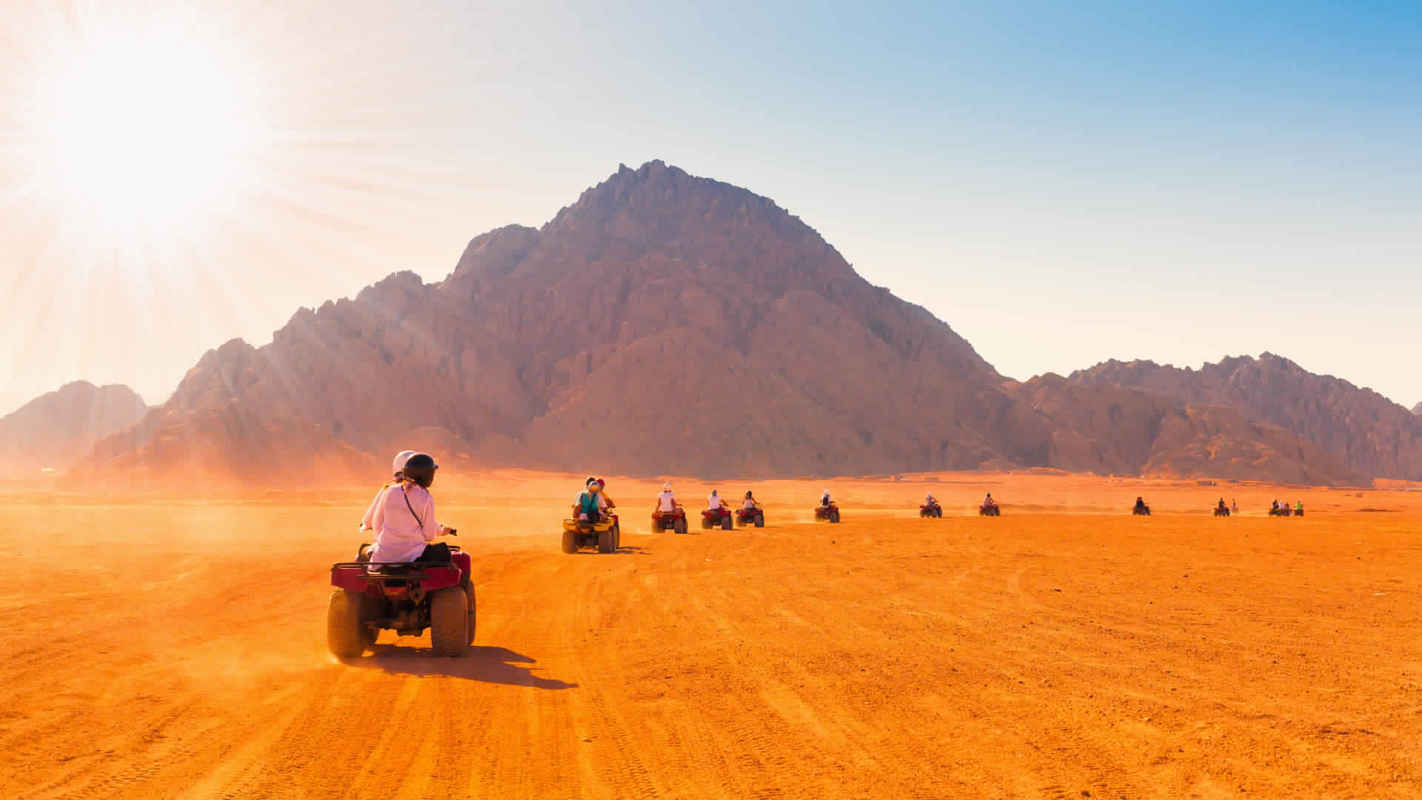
666, 323
1371, 435
1417, 409
58, 428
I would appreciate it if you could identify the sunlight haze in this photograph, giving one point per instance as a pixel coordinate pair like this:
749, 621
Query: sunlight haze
1059, 184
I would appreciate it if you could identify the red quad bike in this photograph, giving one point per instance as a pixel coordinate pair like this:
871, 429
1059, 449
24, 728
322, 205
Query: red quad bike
931, 510
1221, 512
605, 535
407, 597
1281, 511
993, 510
717, 517
829, 513
750, 516
663, 521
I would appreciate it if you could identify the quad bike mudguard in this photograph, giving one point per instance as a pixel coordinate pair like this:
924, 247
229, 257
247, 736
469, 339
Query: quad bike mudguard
357, 576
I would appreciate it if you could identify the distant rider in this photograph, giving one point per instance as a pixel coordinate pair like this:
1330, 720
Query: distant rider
666, 501
988, 502
603, 500
404, 519
750, 504
1140, 504
399, 466
1222, 506
825, 501
589, 507
928, 501
1298, 507
714, 503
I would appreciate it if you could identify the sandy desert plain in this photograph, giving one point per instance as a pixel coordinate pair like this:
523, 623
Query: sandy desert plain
166, 646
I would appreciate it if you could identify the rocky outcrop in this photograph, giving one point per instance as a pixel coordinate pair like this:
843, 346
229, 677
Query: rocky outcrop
56, 429
1370, 434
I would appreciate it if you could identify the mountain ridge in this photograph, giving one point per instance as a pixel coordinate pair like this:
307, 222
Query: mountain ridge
665, 323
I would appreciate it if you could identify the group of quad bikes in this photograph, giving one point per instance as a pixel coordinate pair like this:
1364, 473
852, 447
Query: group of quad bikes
935, 511
606, 535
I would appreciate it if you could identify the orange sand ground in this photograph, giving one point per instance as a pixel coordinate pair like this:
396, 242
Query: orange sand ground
175, 648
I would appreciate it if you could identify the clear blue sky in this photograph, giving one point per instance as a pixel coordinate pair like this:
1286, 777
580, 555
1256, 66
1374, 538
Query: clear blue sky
1060, 182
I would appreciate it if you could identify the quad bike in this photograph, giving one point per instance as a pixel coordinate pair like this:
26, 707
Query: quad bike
407, 597
663, 521
605, 534
1141, 511
1221, 512
717, 517
993, 510
1298, 512
1282, 511
750, 516
930, 510
829, 513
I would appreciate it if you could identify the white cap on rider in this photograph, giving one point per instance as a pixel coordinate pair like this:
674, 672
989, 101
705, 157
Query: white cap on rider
398, 465
666, 487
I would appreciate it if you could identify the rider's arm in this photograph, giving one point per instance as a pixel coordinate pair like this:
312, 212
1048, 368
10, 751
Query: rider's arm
431, 529
367, 519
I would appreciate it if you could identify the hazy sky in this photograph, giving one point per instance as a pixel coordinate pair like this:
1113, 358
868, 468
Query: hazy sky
1060, 182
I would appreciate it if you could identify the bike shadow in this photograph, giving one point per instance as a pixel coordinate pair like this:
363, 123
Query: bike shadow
483, 664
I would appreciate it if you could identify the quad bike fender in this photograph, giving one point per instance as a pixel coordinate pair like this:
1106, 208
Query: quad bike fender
574, 525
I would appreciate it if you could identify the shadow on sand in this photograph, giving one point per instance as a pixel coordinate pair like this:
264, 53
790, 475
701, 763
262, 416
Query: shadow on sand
484, 664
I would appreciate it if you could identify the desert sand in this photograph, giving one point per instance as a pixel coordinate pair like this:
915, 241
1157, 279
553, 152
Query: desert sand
175, 647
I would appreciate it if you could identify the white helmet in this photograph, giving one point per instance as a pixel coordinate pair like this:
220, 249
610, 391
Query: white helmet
398, 465
666, 487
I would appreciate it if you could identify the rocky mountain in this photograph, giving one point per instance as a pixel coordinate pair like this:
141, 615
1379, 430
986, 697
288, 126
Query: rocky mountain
1370, 434
671, 324
662, 323
56, 429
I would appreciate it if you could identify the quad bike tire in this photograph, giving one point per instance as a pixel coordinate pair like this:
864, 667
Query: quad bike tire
473, 610
570, 541
760, 520
616, 536
449, 622
679, 526
606, 542
347, 635
727, 523
705, 523
834, 515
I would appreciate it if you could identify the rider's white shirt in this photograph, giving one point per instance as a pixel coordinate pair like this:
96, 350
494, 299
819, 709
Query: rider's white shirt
666, 501
399, 536
713, 502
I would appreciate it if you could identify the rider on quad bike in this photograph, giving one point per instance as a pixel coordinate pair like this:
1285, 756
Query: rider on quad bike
404, 581
750, 512
1140, 509
716, 513
827, 510
930, 507
989, 507
668, 512
1221, 510
404, 518
593, 523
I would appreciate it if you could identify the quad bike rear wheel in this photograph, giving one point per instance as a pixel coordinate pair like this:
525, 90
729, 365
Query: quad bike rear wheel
834, 515
726, 522
347, 635
760, 520
570, 541
605, 541
616, 536
680, 525
449, 622
473, 609
705, 523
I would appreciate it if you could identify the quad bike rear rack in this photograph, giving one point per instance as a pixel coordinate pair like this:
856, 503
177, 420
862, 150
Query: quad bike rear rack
403, 570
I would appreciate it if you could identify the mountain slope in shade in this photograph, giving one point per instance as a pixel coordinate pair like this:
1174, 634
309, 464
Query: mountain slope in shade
56, 429
1370, 434
1417, 409
662, 323
1119, 430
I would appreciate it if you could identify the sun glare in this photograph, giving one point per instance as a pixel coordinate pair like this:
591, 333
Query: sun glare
145, 132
